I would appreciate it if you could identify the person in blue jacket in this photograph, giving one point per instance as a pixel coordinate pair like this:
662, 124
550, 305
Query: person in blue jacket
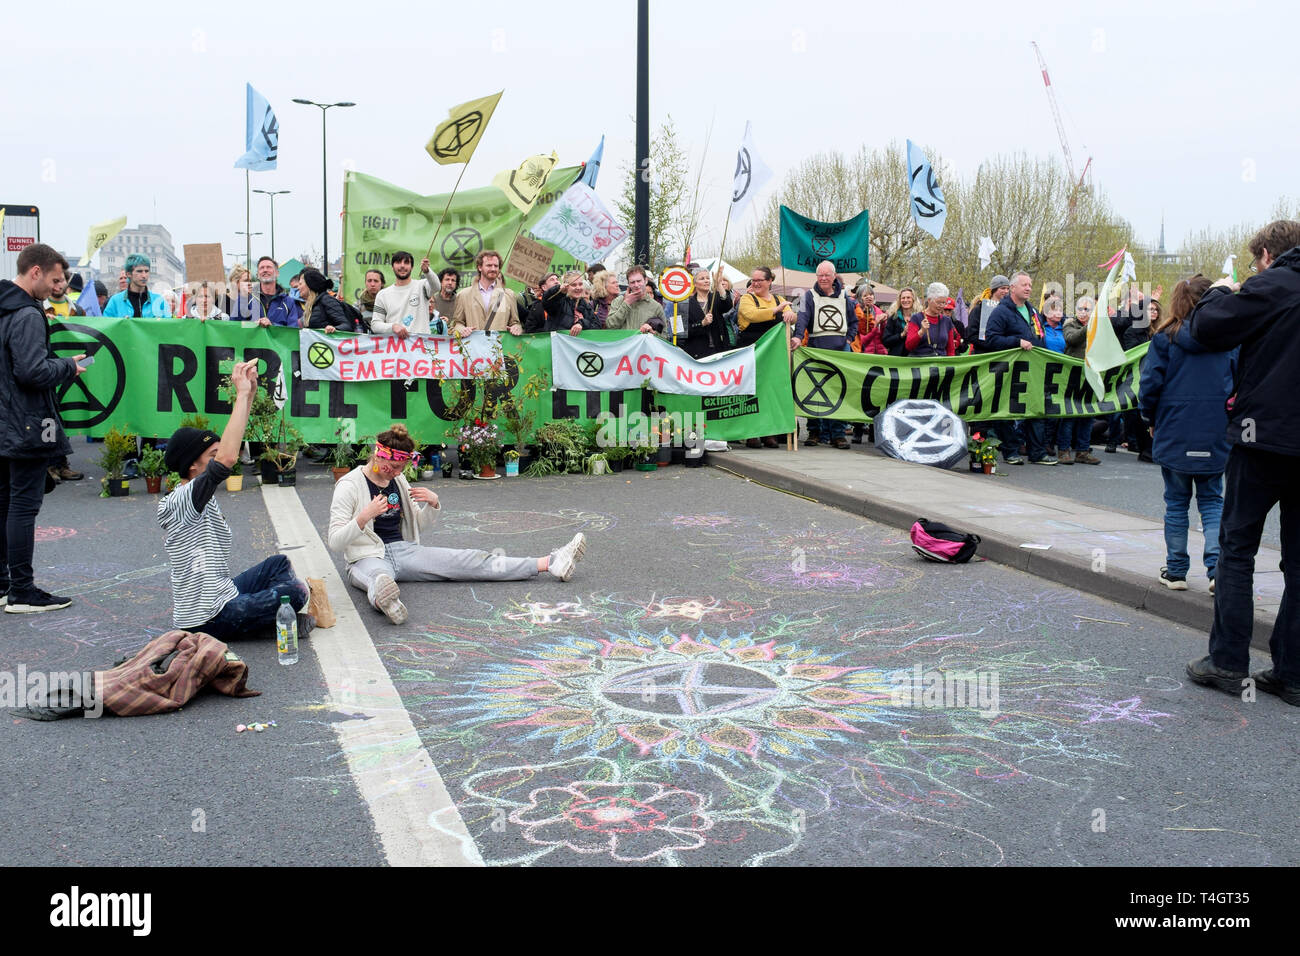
136, 301
1183, 396
1015, 324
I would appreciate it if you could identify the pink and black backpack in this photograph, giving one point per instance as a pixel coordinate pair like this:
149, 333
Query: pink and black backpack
938, 542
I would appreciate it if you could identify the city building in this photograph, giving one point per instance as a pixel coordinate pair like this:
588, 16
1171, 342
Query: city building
166, 270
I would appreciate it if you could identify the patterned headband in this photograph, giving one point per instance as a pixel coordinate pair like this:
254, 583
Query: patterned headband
393, 454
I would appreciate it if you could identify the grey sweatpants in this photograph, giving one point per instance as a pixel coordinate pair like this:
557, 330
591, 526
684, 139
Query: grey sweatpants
405, 561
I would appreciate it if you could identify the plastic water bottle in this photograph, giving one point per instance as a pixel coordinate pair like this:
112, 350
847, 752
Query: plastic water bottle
286, 632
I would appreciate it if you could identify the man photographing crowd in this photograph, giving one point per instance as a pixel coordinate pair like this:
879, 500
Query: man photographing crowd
31, 433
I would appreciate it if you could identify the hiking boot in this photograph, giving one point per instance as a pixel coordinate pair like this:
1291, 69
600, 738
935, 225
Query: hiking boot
812, 441
1205, 672
1053, 451
35, 601
53, 474
1174, 582
565, 559
67, 474
1086, 458
1110, 449
1065, 458
1289, 691
840, 443
388, 599
753, 443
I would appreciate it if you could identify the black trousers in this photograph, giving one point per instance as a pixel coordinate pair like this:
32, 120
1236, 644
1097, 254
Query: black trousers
22, 490
1255, 481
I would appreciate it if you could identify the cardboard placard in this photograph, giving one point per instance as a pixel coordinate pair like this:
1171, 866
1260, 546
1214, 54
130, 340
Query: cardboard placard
204, 262
528, 262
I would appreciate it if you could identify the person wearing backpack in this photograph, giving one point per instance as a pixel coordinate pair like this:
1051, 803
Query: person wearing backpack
1183, 394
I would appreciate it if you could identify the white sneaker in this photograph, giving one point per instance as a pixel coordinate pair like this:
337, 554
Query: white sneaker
388, 599
565, 559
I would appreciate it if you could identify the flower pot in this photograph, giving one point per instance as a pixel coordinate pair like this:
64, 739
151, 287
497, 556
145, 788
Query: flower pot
339, 472
599, 467
678, 454
118, 487
426, 474
287, 479
447, 469
235, 483
267, 471
988, 467
665, 455
512, 468
487, 471
616, 466
153, 484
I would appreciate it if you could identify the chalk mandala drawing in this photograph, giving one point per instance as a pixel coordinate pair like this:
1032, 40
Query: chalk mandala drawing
800, 571
702, 521
645, 731
524, 522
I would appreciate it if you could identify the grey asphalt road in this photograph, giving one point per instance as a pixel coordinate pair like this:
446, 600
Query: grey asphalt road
734, 676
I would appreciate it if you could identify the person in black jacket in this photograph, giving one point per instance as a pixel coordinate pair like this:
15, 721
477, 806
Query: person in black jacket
894, 335
1263, 318
321, 310
563, 308
705, 317
30, 430
1015, 324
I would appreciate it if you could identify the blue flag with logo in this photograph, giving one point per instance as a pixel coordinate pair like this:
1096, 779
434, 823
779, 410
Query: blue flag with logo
592, 166
929, 209
261, 134
88, 301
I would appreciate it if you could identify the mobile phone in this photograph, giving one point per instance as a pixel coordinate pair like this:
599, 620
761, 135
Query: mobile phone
86, 362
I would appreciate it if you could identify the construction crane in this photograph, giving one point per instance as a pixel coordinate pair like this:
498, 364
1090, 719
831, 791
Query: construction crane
1060, 131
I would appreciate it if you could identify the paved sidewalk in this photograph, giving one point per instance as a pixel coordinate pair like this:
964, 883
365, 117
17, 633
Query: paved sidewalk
1106, 552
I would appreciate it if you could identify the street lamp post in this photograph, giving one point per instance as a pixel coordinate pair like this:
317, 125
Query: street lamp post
272, 193
249, 260
325, 187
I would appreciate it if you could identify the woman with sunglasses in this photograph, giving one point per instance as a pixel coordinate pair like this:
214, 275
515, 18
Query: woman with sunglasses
376, 519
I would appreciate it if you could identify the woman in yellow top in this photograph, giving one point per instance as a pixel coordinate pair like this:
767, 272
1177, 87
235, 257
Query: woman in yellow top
760, 311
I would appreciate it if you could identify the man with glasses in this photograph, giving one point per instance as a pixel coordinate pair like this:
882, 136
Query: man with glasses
1263, 463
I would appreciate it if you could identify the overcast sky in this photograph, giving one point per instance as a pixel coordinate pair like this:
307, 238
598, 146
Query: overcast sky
139, 109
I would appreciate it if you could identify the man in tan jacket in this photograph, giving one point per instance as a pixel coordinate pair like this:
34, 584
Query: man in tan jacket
487, 304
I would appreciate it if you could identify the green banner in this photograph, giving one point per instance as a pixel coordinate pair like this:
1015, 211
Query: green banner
148, 375
806, 242
380, 218
999, 385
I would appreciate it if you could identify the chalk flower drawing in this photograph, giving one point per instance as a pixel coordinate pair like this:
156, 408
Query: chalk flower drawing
632, 822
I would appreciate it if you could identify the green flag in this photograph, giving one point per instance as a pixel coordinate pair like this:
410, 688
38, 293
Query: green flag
381, 218
806, 242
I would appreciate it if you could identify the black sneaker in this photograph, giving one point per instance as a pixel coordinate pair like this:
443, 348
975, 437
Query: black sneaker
1174, 582
1110, 449
35, 601
1289, 692
1204, 671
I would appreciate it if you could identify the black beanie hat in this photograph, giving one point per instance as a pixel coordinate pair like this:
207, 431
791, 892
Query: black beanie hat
185, 446
76, 283
316, 281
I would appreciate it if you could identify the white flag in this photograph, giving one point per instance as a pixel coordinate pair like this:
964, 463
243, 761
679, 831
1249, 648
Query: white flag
1230, 266
751, 175
986, 251
1130, 269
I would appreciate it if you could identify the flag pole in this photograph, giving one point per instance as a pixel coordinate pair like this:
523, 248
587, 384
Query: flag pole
446, 208
248, 222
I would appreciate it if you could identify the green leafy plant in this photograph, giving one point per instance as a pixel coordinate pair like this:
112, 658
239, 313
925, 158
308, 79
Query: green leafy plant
237, 468
344, 454
151, 463
512, 455
173, 480
563, 445
589, 464
198, 420
118, 444
363, 450
983, 447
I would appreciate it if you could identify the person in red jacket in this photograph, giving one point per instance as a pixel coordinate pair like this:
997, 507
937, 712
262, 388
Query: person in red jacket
932, 332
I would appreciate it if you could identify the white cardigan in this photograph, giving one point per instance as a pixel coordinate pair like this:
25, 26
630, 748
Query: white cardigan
350, 496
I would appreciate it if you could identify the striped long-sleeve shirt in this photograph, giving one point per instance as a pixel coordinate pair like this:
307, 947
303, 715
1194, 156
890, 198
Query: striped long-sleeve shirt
198, 548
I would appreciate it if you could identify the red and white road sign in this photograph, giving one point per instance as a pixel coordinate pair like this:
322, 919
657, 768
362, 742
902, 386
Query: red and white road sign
676, 284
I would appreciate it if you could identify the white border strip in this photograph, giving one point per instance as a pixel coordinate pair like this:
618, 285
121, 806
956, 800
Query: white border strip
414, 815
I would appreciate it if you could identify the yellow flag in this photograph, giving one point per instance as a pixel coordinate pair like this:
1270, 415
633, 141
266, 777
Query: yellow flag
522, 186
454, 140
100, 234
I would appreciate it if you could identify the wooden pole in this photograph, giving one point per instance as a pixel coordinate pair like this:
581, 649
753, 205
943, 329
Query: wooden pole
445, 210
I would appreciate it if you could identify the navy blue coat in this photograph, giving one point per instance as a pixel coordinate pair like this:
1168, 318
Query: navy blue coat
1006, 328
1183, 394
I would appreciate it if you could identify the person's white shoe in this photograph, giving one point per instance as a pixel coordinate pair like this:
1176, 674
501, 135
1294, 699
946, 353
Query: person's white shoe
388, 599
565, 559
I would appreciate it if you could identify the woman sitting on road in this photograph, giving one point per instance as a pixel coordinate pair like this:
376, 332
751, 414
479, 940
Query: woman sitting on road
375, 522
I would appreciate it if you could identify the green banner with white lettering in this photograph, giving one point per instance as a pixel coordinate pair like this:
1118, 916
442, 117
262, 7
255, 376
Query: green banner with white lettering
149, 374
806, 242
380, 218
979, 388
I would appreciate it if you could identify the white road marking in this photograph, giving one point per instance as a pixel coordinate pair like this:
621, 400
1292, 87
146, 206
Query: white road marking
415, 817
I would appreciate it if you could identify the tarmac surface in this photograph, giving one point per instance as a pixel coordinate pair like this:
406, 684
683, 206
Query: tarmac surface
734, 676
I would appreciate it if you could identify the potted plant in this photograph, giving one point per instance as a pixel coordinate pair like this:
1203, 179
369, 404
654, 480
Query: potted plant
236, 480
118, 444
512, 463
343, 455
616, 457
983, 452
173, 481
153, 469
596, 464
480, 444
283, 442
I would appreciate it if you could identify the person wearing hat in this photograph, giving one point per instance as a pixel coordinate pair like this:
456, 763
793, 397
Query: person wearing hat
977, 323
136, 301
320, 310
204, 595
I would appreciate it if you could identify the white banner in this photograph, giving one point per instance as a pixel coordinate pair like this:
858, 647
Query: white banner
586, 365
378, 358
580, 224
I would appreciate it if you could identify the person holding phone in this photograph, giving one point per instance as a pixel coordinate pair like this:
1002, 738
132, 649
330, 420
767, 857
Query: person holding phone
31, 433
